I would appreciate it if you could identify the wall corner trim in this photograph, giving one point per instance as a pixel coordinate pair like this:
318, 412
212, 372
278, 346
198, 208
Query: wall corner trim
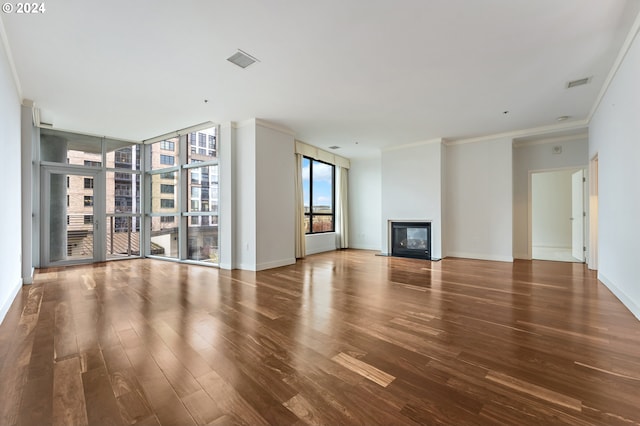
629, 303
275, 264
10, 298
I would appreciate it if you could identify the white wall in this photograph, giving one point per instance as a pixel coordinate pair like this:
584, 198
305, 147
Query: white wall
614, 135
30, 137
412, 189
275, 198
260, 209
536, 157
551, 209
228, 195
365, 203
10, 215
318, 243
479, 200
244, 165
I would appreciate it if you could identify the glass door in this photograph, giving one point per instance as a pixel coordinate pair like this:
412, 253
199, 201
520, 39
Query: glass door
71, 227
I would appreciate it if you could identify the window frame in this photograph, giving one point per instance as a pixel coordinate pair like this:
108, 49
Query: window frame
311, 214
178, 173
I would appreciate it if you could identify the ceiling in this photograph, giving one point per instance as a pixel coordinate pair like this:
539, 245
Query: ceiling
359, 74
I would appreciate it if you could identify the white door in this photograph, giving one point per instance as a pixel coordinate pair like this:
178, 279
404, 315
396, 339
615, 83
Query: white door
70, 207
577, 215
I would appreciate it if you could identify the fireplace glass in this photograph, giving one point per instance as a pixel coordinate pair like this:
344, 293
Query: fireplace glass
411, 239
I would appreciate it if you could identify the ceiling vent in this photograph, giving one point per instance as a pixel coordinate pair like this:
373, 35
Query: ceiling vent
334, 147
579, 82
242, 59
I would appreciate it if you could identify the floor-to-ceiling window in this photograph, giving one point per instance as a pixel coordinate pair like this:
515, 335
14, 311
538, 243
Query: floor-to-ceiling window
95, 191
183, 196
123, 199
90, 198
163, 178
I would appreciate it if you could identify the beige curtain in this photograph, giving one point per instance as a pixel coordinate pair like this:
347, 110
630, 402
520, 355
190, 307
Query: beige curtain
342, 208
299, 223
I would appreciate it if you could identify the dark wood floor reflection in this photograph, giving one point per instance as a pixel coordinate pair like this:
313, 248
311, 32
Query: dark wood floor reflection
340, 338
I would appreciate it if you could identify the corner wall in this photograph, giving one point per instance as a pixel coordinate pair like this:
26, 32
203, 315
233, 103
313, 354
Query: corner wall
257, 196
614, 138
275, 197
365, 203
10, 174
244, 164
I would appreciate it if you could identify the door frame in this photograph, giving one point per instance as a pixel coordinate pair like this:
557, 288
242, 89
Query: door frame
46, 170
530, 205
592, 252
582, 216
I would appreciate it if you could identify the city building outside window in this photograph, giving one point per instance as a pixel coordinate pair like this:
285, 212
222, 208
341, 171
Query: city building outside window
168, 145
167, 204
167, 159
167, 189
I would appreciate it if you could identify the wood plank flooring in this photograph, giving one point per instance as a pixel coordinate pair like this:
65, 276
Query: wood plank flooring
339, 338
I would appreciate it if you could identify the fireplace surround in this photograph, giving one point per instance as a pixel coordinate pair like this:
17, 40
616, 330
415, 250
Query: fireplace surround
411, 239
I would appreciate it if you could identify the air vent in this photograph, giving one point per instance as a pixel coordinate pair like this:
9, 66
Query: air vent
579, 82
334, 147
241, 59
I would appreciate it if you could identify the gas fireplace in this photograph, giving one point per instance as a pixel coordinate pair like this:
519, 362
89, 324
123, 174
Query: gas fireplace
411, 239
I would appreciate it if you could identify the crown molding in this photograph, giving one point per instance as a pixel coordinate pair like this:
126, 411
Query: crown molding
572, 125
262, 123
543, 141
177, 133
9, 56
276, 127
412, 145
635, 29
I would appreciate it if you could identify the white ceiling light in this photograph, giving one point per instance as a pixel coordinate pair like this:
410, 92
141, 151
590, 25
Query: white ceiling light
241, 59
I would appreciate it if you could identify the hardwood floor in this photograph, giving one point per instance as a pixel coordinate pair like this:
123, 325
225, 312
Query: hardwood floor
339, 338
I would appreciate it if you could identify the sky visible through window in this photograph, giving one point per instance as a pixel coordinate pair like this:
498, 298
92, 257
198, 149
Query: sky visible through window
322, 185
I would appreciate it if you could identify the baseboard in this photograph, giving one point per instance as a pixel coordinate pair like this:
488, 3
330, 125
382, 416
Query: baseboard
245, 267
29, 279
266, 265
6, 305
632, 306
364, 247
320, 250
275, 264
522, 256
227, 266
480, 256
